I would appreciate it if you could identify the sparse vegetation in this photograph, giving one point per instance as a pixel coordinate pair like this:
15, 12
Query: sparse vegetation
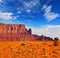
56, 41
29, 50
23, 44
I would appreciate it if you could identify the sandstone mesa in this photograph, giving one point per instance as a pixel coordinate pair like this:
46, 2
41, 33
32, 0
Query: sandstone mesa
18, 32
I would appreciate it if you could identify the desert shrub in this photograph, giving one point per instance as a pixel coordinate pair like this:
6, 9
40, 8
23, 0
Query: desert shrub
56, 41
23, 44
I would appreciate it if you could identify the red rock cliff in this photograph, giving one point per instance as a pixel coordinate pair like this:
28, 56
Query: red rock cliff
14, 32
13, 29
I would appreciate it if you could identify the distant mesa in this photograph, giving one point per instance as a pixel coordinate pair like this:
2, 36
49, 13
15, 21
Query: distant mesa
18, 32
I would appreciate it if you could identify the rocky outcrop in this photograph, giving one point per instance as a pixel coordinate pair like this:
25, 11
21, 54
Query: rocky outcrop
13, 29
14, 32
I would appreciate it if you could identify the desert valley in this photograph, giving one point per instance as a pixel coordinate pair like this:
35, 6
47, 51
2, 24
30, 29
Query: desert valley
18, 42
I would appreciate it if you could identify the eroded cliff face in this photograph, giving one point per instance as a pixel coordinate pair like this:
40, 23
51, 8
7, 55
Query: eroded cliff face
14, 32
14, 29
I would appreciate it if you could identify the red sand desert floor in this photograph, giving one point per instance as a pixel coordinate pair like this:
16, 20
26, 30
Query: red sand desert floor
29, 50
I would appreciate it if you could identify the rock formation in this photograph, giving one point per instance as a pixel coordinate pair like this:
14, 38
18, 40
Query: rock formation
13, 29
15, 32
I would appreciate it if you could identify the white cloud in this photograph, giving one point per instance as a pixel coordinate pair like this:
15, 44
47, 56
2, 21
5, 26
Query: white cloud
44, 6
28, 11
30, 4
49, 15
1, 1
48, 30
48, 9
7, 16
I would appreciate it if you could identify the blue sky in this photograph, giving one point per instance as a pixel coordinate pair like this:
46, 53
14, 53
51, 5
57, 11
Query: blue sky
37, 14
